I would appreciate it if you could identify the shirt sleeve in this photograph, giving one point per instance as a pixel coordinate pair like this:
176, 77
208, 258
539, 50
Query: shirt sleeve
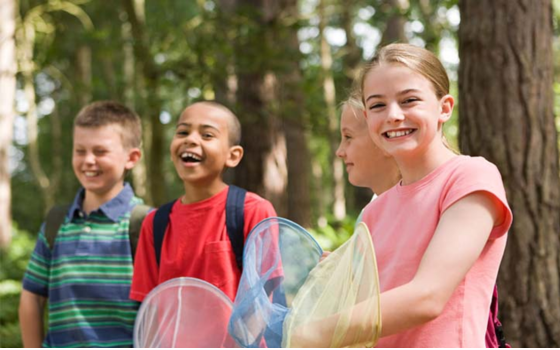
36, 277
479, 175
146, 271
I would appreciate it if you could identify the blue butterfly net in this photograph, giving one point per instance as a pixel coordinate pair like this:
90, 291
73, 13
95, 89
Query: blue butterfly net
277, 260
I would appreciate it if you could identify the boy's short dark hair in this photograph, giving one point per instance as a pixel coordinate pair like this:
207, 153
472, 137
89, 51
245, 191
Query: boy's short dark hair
234, 126
102, 113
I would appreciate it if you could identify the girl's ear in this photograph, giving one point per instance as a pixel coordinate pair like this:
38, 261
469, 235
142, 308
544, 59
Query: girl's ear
134, 155
234, 157
446, 108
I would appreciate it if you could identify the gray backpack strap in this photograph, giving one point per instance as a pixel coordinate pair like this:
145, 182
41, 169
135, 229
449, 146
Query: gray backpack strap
55, 219
137, 215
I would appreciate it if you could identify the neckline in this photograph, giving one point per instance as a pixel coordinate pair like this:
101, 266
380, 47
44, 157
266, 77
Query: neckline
417, 185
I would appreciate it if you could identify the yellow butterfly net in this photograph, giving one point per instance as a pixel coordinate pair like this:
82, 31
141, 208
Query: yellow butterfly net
338, 305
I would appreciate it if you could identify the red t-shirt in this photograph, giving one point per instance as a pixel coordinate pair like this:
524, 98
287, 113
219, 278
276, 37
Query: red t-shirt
196, 244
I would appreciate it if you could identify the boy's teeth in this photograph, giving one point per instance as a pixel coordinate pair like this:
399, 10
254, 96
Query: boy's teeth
91, 173
398, 133
188, 156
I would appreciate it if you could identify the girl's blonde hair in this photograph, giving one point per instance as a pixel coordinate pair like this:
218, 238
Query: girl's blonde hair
414, 58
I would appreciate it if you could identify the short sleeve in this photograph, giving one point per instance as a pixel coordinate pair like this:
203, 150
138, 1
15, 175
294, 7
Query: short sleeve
146, 272
36, 278
478, 175
256, 210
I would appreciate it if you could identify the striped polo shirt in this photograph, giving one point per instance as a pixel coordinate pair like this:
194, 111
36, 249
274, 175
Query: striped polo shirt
86, 276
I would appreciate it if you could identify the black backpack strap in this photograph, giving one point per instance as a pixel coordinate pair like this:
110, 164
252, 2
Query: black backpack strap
161, 220
55, 219
137, 215
235, 221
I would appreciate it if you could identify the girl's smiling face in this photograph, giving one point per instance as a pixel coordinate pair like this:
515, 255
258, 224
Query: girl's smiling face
404, 115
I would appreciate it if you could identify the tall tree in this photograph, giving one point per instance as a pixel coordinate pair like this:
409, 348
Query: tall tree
8, 88
154, 134
329, 93
506, 115
394, 31
263, 169
292, 101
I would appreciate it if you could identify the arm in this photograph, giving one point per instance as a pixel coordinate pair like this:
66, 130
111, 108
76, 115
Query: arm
442, 268
31, 309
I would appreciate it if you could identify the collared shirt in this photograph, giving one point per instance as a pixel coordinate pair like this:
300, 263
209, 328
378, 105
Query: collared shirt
86, 276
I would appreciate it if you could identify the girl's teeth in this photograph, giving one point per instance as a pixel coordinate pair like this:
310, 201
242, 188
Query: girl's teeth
399, 133
91, 173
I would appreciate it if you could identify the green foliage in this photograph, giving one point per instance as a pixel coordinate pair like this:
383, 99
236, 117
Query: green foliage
12, 267
333, 233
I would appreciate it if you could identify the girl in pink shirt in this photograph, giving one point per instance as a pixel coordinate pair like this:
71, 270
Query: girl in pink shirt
439, 234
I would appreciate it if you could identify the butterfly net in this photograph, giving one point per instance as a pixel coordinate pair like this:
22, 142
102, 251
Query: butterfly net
277, 259
183, 313
339, 300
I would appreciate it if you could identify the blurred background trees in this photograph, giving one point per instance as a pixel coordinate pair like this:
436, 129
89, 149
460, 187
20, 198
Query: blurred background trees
283, 66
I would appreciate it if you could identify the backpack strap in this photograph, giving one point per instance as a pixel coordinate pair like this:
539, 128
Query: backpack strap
161, 220
55, 219
500, 337
235, 221
137, 215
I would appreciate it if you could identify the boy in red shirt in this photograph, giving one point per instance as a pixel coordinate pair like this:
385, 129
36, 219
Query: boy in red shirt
196, 242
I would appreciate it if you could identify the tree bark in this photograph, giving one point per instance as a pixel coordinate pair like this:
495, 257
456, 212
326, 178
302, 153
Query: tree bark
8, 88
151, 74
263, 169
329, 93
394, 31
506, 115
292, 111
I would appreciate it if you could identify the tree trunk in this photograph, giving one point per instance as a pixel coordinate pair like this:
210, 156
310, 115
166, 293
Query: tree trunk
506, 115
25, 46
329, 93
292, 101
394, 31
139, 173
263, 169
8, 88
150, 74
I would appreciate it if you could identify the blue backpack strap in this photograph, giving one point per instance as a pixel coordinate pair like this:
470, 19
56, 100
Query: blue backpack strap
235, 221
161, 220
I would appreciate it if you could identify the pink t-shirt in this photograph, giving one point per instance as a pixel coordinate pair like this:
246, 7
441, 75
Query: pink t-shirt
402, 222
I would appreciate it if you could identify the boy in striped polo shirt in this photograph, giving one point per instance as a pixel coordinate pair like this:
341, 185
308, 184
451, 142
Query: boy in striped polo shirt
85, 276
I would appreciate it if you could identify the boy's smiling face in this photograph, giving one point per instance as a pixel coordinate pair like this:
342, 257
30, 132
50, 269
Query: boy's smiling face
100, 160
200, 149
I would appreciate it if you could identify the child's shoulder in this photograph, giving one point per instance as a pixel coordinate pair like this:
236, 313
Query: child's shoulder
254, 199
475, 166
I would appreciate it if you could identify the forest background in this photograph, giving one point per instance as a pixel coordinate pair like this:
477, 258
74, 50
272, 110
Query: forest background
283, 66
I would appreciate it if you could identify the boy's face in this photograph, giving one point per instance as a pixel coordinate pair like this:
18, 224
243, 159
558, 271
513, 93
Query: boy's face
100, 160
200, 148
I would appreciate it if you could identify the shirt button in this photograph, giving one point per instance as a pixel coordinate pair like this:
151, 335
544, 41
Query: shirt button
87, 229
81, 214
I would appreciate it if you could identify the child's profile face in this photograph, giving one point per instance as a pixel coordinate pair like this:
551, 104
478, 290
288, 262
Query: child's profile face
404, 115
366, 164
200, 148
100, 160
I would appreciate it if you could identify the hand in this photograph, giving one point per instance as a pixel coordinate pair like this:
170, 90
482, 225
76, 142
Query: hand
324, 256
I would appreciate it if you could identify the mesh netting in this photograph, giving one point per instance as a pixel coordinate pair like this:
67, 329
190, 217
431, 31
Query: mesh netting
285, 297
184, 312
278, 257
341, 295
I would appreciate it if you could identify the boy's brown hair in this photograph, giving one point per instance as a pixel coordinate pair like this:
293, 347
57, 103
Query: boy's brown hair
102, 113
